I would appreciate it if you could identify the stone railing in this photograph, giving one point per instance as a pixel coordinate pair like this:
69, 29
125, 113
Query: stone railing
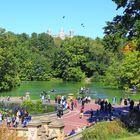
41, 129
21, 132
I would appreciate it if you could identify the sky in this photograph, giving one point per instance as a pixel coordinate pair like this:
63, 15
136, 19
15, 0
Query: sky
38, 16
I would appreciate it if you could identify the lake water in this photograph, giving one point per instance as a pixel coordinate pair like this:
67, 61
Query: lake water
96, 89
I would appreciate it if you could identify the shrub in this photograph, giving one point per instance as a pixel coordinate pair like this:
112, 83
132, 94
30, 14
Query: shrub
29, 105
37, 107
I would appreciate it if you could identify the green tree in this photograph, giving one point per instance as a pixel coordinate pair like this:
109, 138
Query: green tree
98, 59
123, 27
124, 73
71, 58
9, 77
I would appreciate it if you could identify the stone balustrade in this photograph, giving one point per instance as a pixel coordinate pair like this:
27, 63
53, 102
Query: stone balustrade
44, 129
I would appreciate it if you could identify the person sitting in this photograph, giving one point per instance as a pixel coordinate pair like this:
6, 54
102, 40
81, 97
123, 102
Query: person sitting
25, 123
72, 132
8, 120
28, 118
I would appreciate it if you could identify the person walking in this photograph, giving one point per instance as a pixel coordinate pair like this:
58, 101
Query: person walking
72, 105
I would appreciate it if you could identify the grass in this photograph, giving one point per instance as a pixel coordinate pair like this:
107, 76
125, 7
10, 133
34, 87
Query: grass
106, 131
137, 137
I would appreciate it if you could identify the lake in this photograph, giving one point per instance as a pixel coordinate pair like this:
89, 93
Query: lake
97, 90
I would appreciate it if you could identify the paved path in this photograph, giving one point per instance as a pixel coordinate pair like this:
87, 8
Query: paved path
72, 120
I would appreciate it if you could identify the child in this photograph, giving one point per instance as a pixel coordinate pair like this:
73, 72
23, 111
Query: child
81, 115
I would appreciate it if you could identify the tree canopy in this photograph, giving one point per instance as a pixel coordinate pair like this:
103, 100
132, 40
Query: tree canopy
122, 38
124, 26
114, 59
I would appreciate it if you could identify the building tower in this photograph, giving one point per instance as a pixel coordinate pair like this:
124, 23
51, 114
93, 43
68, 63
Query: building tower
61, 34
49, 32
71, 33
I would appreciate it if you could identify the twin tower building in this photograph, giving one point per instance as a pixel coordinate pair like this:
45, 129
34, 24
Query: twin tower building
61, 34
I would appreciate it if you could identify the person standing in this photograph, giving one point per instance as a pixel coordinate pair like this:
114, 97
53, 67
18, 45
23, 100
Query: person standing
55, 99
59, 111
131, 105
72, 105
114, 100
91, 113
109, 107
75, 103
83, 103
49, 98
121, 100
81, 113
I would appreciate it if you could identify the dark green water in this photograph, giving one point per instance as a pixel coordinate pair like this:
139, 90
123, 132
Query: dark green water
96, 89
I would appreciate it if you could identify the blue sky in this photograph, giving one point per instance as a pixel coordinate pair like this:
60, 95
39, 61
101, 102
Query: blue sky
38, 15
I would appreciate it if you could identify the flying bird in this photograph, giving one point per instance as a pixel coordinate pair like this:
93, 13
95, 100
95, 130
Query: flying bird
82, 25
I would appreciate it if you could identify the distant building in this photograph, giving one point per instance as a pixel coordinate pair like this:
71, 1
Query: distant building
61, 34
71, 33
49, 32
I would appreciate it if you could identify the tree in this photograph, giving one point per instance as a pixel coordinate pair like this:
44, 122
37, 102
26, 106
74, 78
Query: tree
124, 26
41, 41
71, 58
98, 59
124, 73
9, 77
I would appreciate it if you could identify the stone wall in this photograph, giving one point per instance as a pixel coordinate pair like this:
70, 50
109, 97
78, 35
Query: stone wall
42, 129
45, 129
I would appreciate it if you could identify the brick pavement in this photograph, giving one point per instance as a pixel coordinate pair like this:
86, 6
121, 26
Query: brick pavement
72, 120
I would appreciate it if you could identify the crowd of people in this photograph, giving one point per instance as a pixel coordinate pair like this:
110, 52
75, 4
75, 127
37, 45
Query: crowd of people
64, 104
104, 105
20, 117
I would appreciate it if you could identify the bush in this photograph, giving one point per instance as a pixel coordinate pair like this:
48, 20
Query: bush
29, 105
105, 131
37, 107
